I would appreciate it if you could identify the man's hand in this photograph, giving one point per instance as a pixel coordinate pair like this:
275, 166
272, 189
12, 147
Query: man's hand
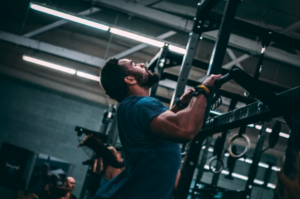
187, 96
210, 81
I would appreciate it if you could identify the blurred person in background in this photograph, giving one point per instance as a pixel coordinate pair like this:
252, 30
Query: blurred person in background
70, 184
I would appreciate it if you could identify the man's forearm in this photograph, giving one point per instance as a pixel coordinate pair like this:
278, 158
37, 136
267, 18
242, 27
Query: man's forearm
175, 108
192, 117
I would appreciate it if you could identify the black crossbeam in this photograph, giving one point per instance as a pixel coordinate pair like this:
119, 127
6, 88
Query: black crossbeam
252, 113
263, 33
204, 66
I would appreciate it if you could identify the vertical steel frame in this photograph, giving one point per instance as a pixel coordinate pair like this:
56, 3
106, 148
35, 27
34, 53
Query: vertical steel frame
256, 158
186, 66
160, 67
220, 154
214, 68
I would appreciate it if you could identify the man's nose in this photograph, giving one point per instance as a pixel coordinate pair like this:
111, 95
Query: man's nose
142, 65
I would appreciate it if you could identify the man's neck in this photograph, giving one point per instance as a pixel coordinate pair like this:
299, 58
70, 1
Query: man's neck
139, 91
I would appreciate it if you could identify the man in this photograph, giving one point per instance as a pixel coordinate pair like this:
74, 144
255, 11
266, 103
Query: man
40, 180
70, 184
148, 131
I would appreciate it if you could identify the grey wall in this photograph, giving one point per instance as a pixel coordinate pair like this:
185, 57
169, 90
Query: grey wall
43, 120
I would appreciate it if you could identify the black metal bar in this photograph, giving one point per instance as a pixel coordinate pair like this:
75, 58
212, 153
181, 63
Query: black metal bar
203, 65
268, 174
220, 153
152, 63
256, 158
263, 33
293, 145
186, 66
203, 9
202, 164
195, 83
160, 63
214, 68
252, 113
217, 57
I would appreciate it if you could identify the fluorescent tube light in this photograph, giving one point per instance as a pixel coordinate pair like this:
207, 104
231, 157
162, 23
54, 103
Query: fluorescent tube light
258, 182
248, 161
239, 176
272, 186
225, 172
250, 125
69, 17
261, 164
216, 113
146, 40
177, 49
258, 127
274, 168
137, 37
49, 65
284, 135
268, 130
88, 76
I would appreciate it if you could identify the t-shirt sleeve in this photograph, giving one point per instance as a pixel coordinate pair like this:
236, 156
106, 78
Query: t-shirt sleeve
146, 109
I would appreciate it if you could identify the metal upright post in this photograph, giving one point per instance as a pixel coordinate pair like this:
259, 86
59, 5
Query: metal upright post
256, 158
160, 67
292, 150
220, 154
217, 56
186, 66
214, 68
202, 164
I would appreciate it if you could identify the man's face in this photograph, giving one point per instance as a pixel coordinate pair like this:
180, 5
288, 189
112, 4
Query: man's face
144, 77
70, 183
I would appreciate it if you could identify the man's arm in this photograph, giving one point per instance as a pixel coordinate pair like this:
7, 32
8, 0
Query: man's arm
185, 99
184, 125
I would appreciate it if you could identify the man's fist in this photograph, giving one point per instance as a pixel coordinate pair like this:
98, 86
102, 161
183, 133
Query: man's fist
187, 96
210, 81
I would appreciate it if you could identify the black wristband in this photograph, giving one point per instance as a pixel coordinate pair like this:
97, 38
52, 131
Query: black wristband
180, 104
200, 91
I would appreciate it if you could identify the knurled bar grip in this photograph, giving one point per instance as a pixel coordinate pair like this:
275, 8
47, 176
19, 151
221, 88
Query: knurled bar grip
256, 88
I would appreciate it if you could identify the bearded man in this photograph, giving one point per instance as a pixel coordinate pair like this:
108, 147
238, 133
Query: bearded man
150, 133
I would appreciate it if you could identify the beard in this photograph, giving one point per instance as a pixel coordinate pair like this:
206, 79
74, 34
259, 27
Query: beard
147, 80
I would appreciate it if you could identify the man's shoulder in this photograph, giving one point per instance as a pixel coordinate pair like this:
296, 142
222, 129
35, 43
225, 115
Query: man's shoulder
139, 101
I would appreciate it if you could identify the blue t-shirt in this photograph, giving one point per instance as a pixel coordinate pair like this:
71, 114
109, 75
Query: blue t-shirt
151, 163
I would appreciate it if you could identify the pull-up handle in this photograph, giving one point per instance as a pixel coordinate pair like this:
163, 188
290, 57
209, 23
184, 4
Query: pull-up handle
256, 88
234, 71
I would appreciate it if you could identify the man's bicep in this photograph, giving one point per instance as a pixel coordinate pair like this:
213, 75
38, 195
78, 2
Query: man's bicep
164, 125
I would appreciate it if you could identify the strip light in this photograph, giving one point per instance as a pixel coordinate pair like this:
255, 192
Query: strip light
69, 17
49, 65
61, 68
88, 76
245, 178
137, 37
100, 26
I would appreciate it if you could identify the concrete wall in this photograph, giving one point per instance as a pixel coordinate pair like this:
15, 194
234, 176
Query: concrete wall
43, 120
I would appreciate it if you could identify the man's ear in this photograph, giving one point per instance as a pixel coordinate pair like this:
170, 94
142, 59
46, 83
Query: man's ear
130, 80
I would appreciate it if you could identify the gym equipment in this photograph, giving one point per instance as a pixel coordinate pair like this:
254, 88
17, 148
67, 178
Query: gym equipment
234, 137
271, 105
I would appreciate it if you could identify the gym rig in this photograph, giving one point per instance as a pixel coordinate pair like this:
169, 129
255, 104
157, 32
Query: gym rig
270, 105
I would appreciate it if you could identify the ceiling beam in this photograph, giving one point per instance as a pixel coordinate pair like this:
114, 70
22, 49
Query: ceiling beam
52, 49
228, 65
236, 61
58, 23
178, 23
232, 56
290, 28
141, 46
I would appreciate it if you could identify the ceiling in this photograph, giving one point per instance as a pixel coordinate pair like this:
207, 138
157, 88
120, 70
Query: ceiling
19, 21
